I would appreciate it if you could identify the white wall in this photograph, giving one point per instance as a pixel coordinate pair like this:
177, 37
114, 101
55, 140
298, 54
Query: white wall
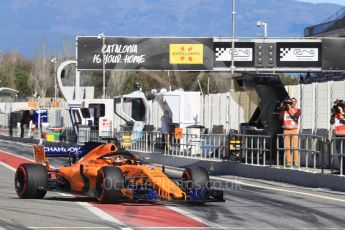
227, 109
316, 101
232, 108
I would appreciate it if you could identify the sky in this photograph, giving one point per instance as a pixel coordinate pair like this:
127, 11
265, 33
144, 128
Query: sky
340, 2
25, 24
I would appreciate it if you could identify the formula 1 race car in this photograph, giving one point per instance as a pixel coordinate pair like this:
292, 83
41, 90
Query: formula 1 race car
112, 175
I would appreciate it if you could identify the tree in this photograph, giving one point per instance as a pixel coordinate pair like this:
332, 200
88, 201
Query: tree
10, 62
14, 72
116, 83
22, 82
129, 83
40, 78
67, 53
288, 80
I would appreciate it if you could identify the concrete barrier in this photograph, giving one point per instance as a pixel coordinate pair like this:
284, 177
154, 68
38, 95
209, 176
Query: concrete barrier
294, 177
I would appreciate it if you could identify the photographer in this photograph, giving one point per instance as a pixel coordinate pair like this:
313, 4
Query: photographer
338, 122
289, 115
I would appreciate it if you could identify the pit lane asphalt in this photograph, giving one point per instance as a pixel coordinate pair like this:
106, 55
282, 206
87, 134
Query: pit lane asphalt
250, 204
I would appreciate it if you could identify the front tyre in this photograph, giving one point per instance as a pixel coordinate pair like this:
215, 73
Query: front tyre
31, 181
109, 182
196, 178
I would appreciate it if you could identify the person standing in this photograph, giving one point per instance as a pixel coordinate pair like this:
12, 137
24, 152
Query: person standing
24, 121
166, 122
290, 116
338, 122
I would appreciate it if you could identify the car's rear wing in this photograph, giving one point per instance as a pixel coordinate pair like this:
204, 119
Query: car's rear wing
74, 153
40, 155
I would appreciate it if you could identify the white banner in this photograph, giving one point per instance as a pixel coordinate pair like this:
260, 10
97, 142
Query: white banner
240, 54
299, 54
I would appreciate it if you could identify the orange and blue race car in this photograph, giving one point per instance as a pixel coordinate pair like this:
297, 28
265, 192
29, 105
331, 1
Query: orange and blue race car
112, 175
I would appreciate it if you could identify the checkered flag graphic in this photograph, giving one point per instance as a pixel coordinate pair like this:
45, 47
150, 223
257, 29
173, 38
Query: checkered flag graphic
284, 51
220, 51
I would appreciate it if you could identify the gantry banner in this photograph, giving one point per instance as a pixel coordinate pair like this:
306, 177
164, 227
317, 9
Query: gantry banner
211, 54
134, 53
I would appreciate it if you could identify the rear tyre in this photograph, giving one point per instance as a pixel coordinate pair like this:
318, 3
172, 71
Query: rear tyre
31, 181
196, 178
109, 182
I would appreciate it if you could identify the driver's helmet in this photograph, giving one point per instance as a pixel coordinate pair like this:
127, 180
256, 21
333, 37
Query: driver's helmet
118, 160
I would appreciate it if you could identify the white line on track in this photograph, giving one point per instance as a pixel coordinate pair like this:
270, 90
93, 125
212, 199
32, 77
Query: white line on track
177, 228
7, 166
19, 143
236, 181
240, 228
278, 189
186, 213
65, 194
69, 227
17, 156
105, 216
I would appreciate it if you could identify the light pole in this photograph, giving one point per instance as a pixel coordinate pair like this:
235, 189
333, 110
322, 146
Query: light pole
101, 36
232, 68
54, 60
264, 24
37, 98
233, 38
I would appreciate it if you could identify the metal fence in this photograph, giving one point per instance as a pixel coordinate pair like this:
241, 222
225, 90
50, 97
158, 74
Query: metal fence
313, 153
337, 154
307, 150
205, 146
254, 149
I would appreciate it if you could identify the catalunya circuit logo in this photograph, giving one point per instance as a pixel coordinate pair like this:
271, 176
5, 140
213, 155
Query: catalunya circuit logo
299, 54
186, 54
240, 54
